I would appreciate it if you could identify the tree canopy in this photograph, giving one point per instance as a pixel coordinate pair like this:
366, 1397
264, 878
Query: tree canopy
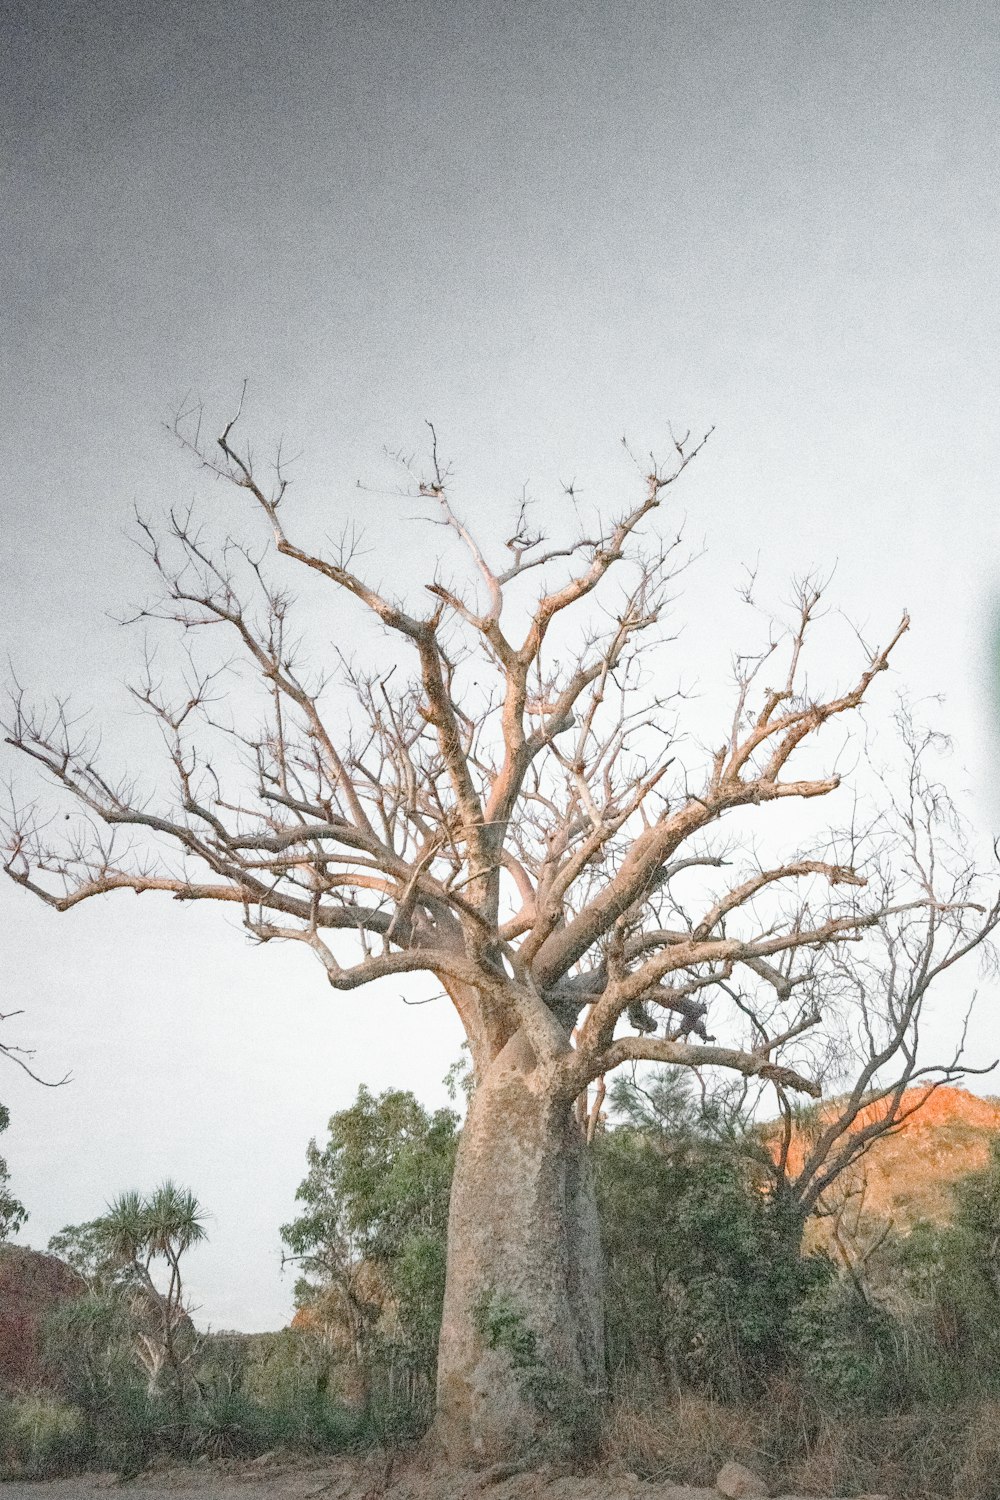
370, 1238
513, 808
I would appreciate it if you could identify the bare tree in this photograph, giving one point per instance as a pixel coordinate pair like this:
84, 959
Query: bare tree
876, 998
510, 810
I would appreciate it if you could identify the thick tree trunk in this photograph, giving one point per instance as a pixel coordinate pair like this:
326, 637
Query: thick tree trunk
521, 1360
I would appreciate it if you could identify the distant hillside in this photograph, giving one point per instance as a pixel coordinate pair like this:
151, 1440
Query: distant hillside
908, 1174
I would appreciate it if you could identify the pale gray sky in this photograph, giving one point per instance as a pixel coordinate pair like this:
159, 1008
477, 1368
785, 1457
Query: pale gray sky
541, 225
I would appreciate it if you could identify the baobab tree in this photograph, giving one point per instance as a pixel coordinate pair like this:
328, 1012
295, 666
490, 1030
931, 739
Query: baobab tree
512, 810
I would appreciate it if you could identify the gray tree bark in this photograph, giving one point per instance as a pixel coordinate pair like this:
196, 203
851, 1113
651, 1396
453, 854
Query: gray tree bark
521, 1356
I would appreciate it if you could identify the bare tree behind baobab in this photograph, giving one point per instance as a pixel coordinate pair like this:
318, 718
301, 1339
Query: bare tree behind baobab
883, 985
512, 810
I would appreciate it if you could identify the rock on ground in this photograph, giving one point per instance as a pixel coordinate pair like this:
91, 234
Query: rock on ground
737, 1482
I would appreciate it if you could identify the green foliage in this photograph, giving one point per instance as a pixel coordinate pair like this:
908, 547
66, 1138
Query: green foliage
90, 1347
261, 1391
460, 1079
89, 1344
941, 1283
850, 1350
115, 1253
247, 1394
134, 1325
137, 1229
276, 1369
501, 1325
12, 1211
371, 1238
87, 1249
708, 1291
703, 1263
289, 1376
977, 1216
708, 1295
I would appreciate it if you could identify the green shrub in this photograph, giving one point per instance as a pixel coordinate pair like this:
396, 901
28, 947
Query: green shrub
371, 1235
850, 1350
229, 1425
88, 1348
130, 1428
703, 1268
314, 1423
267, 1390
281, 1369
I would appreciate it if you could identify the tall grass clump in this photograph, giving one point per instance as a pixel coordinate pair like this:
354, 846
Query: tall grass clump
42, 1437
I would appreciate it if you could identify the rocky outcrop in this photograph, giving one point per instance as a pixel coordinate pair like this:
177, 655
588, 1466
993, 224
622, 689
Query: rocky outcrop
31, 1285
908, 1174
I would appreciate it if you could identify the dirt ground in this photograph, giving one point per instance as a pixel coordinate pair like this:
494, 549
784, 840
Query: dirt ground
409, 1478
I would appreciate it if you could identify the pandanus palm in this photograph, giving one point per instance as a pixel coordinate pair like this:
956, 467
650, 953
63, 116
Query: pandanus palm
138, 1231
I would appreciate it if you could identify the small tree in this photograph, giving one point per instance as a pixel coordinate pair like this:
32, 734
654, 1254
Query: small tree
12, 1212
120, 1255
86, 1248
885, 1077
514, 811
371, 1236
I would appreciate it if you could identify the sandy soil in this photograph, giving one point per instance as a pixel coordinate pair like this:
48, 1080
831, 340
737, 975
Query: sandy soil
410, 1478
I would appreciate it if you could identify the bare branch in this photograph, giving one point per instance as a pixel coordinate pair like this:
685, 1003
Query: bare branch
510, 804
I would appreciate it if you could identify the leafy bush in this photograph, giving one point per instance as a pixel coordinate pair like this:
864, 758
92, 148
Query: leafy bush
703, 1268
371, 1238
919, 1323
248, 1393
291, 1379
850, 1351
228, 1424
88, 1347
89, 1350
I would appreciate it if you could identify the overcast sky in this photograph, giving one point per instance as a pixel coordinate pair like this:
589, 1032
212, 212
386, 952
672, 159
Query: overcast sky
541, 225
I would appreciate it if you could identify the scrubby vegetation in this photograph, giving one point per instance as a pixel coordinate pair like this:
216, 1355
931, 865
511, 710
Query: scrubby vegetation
371, 1239
872, 1364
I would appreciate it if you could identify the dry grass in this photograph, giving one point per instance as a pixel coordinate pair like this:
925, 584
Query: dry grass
685, 1439
978, 1474
930, 1454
